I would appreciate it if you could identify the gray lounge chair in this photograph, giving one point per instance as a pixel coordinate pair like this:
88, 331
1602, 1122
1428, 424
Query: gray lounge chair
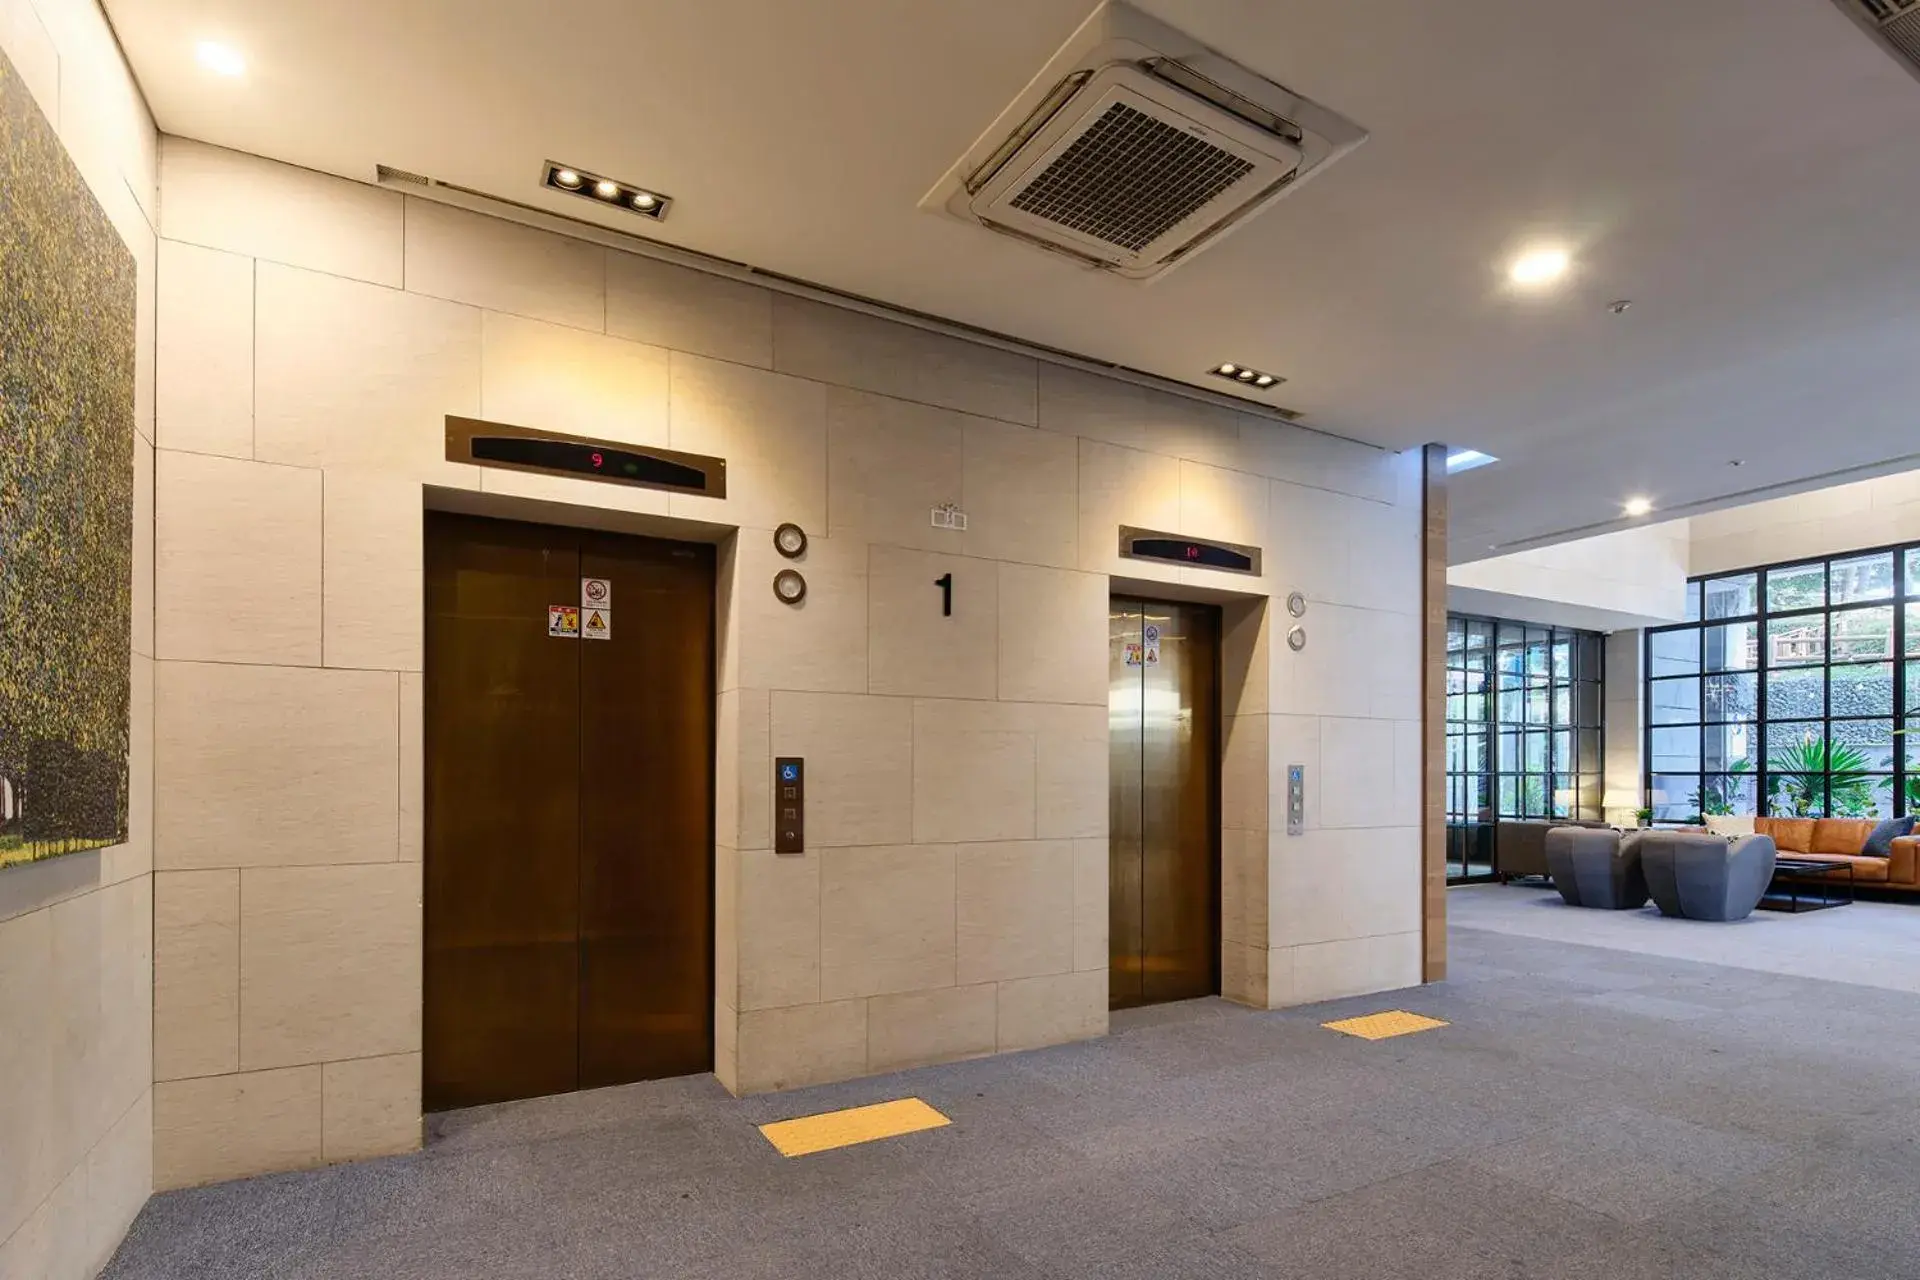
1706, 877
1594, 867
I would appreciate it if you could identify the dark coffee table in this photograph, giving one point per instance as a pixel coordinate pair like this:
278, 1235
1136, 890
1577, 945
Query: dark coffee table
1795, 881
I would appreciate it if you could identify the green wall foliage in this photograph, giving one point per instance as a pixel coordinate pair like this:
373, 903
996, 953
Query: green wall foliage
67, 297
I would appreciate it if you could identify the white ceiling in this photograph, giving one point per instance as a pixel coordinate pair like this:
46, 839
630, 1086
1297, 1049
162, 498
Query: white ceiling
1746, 171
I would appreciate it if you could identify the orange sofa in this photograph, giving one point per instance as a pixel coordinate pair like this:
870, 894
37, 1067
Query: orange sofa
1840, 840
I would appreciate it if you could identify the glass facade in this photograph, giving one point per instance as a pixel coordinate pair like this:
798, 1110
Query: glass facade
1786, 692
1524, 708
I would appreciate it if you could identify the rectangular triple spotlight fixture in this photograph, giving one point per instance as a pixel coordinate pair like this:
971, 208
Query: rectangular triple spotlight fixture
609, 191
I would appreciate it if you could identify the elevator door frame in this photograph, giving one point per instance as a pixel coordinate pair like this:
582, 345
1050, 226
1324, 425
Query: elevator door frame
715, 621
1212, 745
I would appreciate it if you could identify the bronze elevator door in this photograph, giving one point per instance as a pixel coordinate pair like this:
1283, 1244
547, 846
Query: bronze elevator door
569, 802
1164, 819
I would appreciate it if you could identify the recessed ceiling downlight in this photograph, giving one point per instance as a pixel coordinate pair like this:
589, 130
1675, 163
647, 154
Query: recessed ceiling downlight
604, 190
1637, 506
221, 59
1539, 266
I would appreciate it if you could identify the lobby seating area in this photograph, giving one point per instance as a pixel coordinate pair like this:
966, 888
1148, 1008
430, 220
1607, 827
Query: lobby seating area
1844, 840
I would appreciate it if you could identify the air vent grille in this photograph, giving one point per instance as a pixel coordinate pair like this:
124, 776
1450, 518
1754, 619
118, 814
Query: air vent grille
1129, 179
1904, 33
385, 173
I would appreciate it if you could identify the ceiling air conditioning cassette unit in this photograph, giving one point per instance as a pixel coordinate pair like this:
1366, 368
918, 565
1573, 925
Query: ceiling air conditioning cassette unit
1896, 23
1136, 146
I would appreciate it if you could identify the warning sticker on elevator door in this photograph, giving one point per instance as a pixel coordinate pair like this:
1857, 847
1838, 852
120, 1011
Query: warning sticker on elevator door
598, 624
596, 593
563, 620
1143, 655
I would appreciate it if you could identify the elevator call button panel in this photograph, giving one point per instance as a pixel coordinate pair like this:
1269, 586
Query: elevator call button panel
789, 805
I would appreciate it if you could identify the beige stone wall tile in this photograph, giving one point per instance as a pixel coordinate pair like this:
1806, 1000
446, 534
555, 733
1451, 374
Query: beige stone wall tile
222, 1127
1052, 635
246, 205
413, 767
778, 928
556, 378
204, 351
26, 1062
1304, 457
1293, 740
726, 1047
329, 963
353, 375
1229, 506
889, 464
743, 797
851, 349
817, 645
263, 766
1071, 758
52, 1241
1337, 885
686, 310
1357, 772
771, 429
503, 266
196, 973
1077, 403
1125, 487
801, 1045
237, 561
595, 494
1015, 909
1092, 860
1245, 653
370, 1107
974, 774
726, 925
373, 583
886, 920
1192, 429
1244, 775
119, 1173
859, 752
1021, 488
913, 648
1243, 974
1034, 1012
920, 1028
1354, 966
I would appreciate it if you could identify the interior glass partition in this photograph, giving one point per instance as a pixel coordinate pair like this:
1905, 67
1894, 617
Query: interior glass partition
1524, 732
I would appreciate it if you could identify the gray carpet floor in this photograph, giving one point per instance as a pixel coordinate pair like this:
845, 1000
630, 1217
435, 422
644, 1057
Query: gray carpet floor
1590, 1113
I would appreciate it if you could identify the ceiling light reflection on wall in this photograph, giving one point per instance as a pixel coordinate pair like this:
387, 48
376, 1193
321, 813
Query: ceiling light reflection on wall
1246, 377
221, 59
1539, 266
603, 190
1467, 459
1638, 506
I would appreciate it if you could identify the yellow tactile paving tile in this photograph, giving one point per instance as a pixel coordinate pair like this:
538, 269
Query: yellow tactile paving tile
830, 1129
1384, 1026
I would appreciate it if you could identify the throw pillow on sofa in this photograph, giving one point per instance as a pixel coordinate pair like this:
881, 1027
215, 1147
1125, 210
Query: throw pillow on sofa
1880, 843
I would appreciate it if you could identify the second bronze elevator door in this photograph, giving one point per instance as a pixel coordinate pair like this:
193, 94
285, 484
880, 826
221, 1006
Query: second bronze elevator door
569, 788
1164, 819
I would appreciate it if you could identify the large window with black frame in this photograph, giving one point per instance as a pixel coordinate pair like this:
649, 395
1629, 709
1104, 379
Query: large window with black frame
1787, 692
1524, 707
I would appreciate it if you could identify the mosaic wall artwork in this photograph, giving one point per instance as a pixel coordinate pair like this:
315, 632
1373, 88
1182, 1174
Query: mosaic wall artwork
66, 496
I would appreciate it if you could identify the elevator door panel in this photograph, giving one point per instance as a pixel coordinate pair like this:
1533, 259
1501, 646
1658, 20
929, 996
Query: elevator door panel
646, 743
1164, 889
503, 779
569, 799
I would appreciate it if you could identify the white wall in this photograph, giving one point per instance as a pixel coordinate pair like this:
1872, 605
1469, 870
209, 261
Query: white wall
952, 902
1848, 517
1631, 578
76, 932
